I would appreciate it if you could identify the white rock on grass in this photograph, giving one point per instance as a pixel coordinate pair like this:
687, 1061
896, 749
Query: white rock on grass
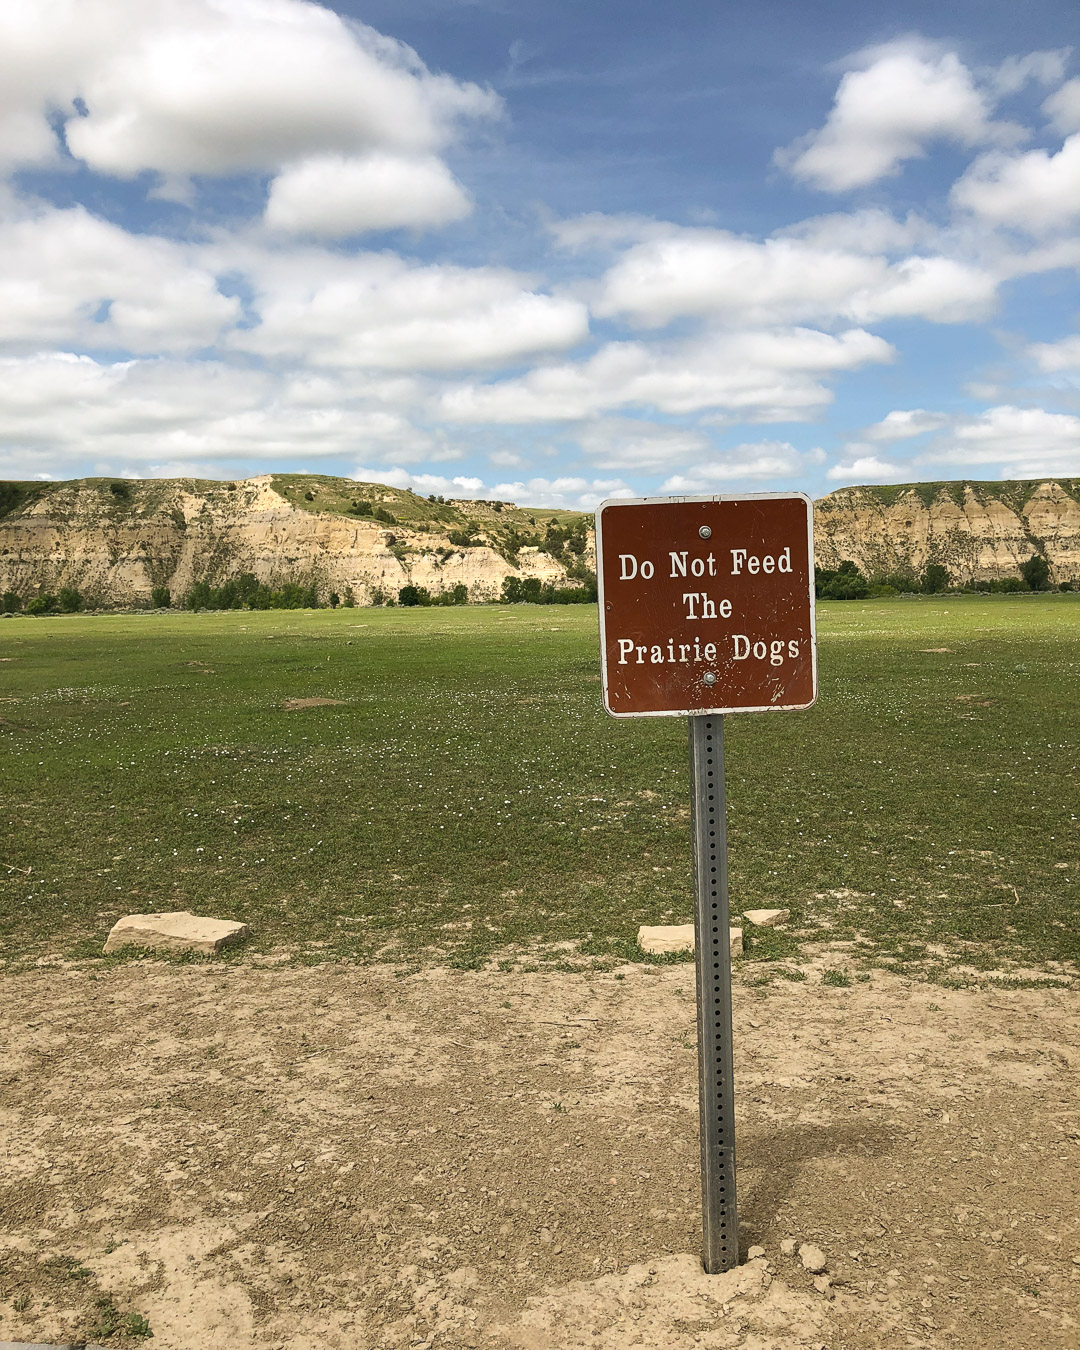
179, 931
766, 918
677, 937
813, 1258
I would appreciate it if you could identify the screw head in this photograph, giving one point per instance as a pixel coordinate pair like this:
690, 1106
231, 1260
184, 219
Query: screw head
709, 678
705, 531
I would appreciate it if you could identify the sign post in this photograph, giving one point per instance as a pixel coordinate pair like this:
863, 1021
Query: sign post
707, 608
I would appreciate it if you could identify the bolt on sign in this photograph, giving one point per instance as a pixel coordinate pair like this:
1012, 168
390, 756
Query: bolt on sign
707, 608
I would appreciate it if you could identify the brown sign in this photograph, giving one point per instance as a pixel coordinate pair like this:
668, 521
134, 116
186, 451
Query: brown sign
706, 604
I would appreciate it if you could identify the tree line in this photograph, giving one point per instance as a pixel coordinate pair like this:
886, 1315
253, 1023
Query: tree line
846, 582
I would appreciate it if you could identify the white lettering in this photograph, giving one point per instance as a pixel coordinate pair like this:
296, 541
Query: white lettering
678, 564
647, 569
753, 566
776, 652
641, 655
708, 607
725, 609
697, 567
690, 599
785, 557
656, 657
626, 646
768, 564
742, 646
710, 651
738, 557
793, 650
759, 650
627, 562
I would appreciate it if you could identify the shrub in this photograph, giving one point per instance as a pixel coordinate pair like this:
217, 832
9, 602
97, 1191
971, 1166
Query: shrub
464, 538
160, 597
380, 514
11, 603
935, 579
69, 600
845, 583
1036, 572
350, 598
360, 508
1062, 586
122, 491
42, 604
414, 595
335, 599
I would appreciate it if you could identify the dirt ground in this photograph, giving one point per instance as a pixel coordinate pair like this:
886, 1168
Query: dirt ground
336, 1156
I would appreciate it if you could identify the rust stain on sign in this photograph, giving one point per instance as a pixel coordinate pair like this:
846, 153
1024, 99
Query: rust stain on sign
707, 604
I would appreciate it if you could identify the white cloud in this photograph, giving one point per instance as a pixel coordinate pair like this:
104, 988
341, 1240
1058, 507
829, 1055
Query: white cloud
1063, 107
1037, 67
596, 229
1052, 357
869, 468
378, 312
62, 410
699, 273
902, 425
754, 376
568, 493
68, 277
1018, 442
906, 97
217, 86
506, 459
1037, 191
635, 446
333, 196
765, 460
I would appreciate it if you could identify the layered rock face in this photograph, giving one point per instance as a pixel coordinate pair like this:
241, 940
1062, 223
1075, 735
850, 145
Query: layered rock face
978, 531
116, 549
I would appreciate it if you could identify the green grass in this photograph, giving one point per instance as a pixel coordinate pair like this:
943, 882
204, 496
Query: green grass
469, 797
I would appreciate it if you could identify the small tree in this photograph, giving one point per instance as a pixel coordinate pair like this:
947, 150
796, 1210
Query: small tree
414, 595
11, 603
350, 598
935, 579
1036, 572
42, 604
69, 600
160, 597
460, 594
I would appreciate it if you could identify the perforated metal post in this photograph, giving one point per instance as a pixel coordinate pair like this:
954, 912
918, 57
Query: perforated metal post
720, 1227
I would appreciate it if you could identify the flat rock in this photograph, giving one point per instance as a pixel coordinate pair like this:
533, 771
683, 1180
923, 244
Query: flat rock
766, 918
678, 937
670, 937
813, 1258
179, 931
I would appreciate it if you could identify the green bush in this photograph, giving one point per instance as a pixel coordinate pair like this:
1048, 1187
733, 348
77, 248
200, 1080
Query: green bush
69, 600
464, 538
245, 592
360, 508
11, 603
414, 595
42, 604
935, 579
160, 597
1036, 572
845, 583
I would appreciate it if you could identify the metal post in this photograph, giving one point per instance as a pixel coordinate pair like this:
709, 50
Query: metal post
720, 1226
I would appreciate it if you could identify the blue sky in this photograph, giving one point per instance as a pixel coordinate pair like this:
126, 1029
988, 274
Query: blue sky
549, 252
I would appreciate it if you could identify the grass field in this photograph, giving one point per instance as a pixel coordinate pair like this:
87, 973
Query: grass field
468, 799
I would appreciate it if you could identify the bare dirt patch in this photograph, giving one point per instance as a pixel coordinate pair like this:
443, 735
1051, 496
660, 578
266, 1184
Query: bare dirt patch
295, 704
338, 1157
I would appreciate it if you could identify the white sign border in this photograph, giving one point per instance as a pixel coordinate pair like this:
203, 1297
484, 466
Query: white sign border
711, 497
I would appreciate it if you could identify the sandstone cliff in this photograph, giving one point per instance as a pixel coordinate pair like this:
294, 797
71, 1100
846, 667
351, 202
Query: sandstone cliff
115, 541
978, 531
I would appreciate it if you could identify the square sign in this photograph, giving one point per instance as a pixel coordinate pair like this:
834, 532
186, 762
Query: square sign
706, 604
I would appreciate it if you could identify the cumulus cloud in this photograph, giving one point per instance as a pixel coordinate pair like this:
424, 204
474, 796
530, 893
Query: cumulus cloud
636, 446
1018, 442
68, 277
903, 425
857, 469
60, 409
333, 196
1053, 357
754, 376
566, 493
699, 273
216, 86
377, 311
763, 461
1036, 191
1063, 107
905, 96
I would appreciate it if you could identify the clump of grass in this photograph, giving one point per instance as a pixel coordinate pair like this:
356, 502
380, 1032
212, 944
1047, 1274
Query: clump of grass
836, 979
112, 1322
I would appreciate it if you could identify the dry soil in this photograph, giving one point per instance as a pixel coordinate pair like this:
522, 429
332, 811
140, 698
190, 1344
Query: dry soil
339, 1156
